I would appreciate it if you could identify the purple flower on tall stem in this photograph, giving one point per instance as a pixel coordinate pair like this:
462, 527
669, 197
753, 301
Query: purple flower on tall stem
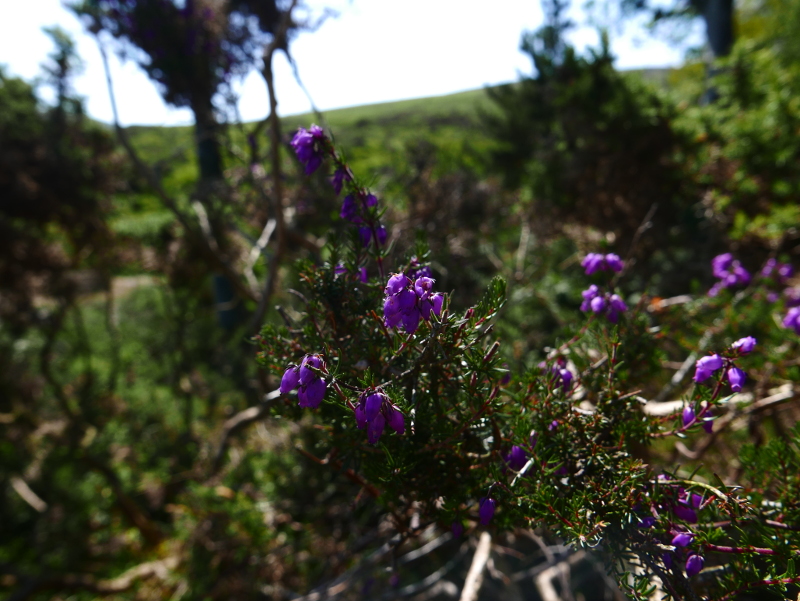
486, 510
308, 147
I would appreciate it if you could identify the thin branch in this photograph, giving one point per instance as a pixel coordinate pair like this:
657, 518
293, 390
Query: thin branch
472, 585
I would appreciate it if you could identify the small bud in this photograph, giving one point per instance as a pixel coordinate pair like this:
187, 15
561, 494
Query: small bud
486, 510
694, 564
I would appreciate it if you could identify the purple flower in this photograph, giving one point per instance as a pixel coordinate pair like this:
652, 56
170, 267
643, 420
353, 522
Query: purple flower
744, 345
375, 428
407, 303
371, 200
290, 380
553, 425
516, 458
306, 373
615, 306
593, 262
395, 419
688, 415
720, 265
308, 148
362, 275
375, 411
682, 539
707, 366
417, 271
566, 379
372, 405
792, 319
486, 510
614, 263
311, 394
340, 269
588, 295
708, 422
457, 528
349, 210
736, 378
338, 180
785, 271
597, 304
647, 522
396, 283
694, 564
687, 514
667, 559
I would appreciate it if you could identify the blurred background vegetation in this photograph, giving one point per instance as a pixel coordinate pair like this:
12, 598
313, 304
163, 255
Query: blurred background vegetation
140, 456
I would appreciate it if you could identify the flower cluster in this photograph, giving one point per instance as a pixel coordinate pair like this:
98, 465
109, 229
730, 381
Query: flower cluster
610, 305
780, 272
684, 507
354, 209
310, 386
729, 272
706, 366
308, 146
374, 411
594, 262
561, 375
407, 302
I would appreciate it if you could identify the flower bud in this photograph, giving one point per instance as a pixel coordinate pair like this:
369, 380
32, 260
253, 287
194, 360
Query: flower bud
486, 510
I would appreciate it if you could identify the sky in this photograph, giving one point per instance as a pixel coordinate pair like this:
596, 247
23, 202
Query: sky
373, 51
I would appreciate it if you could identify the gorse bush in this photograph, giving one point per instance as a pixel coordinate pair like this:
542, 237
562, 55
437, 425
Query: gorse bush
412, 398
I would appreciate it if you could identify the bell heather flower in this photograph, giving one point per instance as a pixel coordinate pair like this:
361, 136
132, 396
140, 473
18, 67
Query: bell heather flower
730, 273
708, 422
310, 387
688, 415
457, 528
682, 539
744, 345
338, 179
594, 262
792, 319
407, 302
349, 210
694, 564
603, 304
417, 271
736, 378
516, 458
486, 510
375, 411
308, 148
707, 366
687, 514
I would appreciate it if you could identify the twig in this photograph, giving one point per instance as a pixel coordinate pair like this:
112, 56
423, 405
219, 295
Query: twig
474, 580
